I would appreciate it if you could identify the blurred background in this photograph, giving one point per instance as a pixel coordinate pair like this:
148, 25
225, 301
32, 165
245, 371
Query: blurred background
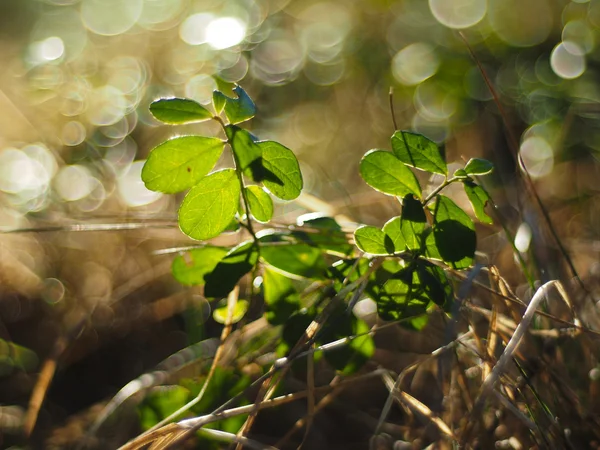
83, 279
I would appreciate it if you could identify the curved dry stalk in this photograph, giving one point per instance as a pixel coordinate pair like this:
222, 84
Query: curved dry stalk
506, 357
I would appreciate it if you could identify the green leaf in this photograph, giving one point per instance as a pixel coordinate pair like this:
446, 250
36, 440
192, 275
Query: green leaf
208, 207
177, 111
372, 240
460, 173
478, 197
191, 267
478, 166
413, 222
260, 203
282, 176
227, 273
180, 163
238, 109
393, 231
160, 403
351, 357
454, 233
292, 258
418, 151
219, 99
248, 154
281, 298
434, 283
220, 314
386, 173
324, 233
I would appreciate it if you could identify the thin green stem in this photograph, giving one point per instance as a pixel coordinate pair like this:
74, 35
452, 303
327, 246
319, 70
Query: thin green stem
238, 171
438, 189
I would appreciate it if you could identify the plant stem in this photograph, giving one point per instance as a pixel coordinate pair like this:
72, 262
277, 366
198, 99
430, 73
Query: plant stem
238, 171
438, 189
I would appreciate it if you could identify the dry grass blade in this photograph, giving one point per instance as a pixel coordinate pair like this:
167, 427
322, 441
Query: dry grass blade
506, 357
231, 303
416, 405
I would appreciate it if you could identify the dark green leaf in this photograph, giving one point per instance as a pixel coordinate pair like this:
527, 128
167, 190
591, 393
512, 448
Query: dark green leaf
208, 207
393, 231
191, 267
478, 197
351, 357
260, 203
180, 163
238, 109
418, 151
220, 314
434, 283
386, 173
178, 111
402, 296
227, 273
413, 222
281, 298
478, 166
454, 233
282, 176
248, 154
373, 240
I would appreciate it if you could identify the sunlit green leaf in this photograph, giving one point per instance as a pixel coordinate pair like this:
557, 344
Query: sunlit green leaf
413, 222
478, 166
393, 231
208, 207
460, 173
454, 233
219, 99
281, 298
260, 203
372, 240
292, 258
178, 111
478, 197
227, 273
180, 163
418, 151
191, 267
248, 154
386, 173
241, 108
402, 296
282, 176
220, 314
323, 232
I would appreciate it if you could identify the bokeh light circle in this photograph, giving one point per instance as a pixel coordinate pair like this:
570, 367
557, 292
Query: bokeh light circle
522, 23
458, 14
225, 32
567, 60
537, 156
415, 63
110, 17
73, 182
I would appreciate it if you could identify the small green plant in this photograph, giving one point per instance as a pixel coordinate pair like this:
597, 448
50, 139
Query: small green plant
306, 269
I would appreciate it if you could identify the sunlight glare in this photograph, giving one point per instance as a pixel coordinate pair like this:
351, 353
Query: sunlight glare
225, 32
